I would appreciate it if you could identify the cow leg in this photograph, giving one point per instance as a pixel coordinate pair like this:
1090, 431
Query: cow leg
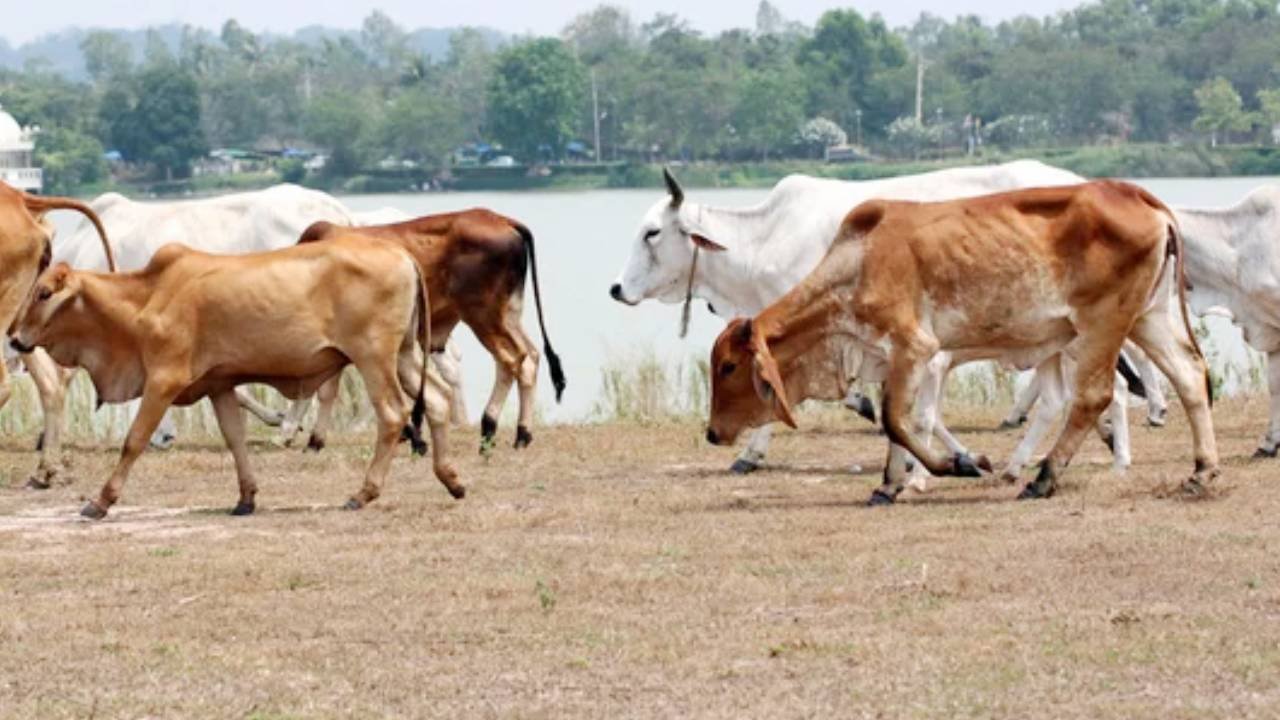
227, 408
1094, 387
858, 402
437, 404
1050, 383
752, 456
449, 363
1022, 404
292, 423
1271, 441
527, 384
1118, 437
391, 415
509, 354
52, 389
1157, 406
156, 398
269, 416
1167, 344
326, 398
928, 420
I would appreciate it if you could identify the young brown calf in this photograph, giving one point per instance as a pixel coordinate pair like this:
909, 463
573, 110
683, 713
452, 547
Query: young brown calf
1015, 277
191, 325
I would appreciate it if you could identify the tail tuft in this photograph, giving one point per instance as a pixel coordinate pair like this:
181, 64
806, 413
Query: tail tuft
557, 372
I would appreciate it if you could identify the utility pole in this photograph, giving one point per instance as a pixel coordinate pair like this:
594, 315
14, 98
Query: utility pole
595, 112
920, 88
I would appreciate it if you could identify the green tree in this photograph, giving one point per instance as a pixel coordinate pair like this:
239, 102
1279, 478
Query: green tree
69, 159
337, 122
166, 119
769, 111
1221, 109
422, 126
536, 97
1269, 111
847, 62
106, 55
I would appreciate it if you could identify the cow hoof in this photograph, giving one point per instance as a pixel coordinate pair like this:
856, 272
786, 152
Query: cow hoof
1038, 490
92, 511
315, 443
1262, 453
879, 498
164, 442
488, 428
523, 437
242, 509
867, 410
742, 466
1009, 478
458, 492
1110, 441
420, 447
38, 483
353, 504
40, 441
1008, 424
1156, 421
963, 465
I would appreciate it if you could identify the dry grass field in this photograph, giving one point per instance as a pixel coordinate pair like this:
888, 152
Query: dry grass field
615, 571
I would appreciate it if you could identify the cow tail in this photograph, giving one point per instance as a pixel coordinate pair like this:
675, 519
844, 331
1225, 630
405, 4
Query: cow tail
424, 339
37, 204
553, 360
1131, 377
1178, 248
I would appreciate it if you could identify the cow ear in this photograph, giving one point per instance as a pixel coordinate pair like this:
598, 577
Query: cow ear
768, 382
706, 243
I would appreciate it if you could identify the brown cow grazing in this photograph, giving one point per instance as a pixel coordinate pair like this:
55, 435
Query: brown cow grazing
1016, 277
191, 325
25, 251
474, 262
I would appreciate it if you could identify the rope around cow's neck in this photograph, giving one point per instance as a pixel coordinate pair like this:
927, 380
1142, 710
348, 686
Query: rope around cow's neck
688, 296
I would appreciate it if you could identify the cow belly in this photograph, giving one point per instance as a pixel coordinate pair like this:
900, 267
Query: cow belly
292, 377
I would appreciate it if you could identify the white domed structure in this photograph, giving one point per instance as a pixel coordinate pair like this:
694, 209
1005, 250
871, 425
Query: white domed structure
16, 146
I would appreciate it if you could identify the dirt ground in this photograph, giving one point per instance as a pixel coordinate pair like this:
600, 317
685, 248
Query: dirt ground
618, 571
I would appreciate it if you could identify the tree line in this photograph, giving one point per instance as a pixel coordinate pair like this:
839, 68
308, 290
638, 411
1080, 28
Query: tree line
1113, 71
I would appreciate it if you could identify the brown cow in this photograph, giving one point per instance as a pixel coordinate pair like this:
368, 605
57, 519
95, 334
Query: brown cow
474, 262
25, 251
191, 325
1016, 276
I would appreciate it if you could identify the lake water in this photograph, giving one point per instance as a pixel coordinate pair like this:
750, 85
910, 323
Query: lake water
583, 239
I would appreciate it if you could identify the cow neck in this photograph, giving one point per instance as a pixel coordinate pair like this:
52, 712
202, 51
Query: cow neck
115, 301
729, 277
796, 324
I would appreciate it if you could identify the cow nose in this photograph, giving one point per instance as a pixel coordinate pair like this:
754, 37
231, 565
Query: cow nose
712, 437
615, 292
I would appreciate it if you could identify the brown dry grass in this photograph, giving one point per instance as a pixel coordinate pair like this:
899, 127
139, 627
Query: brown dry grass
615, 571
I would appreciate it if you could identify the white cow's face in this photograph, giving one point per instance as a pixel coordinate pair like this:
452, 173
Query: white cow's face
660, 261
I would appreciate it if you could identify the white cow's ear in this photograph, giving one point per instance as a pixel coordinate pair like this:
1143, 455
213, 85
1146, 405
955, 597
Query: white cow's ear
706, 243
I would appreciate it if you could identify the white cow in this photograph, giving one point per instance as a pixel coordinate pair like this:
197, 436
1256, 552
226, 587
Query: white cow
772, 246
231, 224
1233, 264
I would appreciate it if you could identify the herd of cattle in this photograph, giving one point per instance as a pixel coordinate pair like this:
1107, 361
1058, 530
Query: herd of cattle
828, 286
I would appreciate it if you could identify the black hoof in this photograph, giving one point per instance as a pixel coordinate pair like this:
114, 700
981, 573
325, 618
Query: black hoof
1261, 453
315, 443
35, 483
92, 511
963, 465
743, 467
420, 447
867, 410
488, 428
353, 504
523, 437
1110, 442
242, 509
1037, 491
1007, 424
879, 498
40, 442
458, 492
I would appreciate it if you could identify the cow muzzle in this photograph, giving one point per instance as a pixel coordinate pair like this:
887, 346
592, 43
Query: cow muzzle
18, 345
615, 292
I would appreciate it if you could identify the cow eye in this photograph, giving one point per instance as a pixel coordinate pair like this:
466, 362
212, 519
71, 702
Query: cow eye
727, 369
651, 234
44, 294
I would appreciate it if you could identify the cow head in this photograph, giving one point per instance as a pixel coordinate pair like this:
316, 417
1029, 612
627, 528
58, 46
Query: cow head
45, 319
662, 251
747, 390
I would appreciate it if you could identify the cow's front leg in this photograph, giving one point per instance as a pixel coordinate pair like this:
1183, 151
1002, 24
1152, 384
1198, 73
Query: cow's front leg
1157, 405
907, 365
1023, 402
326, 398
52, 389
858, 402
1050, 383
1270, 443
1116, 432
226, 406
929, 422
156, 398
752, 456
292, 423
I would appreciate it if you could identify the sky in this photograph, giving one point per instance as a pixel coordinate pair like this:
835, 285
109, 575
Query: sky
542, 17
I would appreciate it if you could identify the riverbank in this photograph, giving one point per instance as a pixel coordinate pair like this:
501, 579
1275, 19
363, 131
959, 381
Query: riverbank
1127, 161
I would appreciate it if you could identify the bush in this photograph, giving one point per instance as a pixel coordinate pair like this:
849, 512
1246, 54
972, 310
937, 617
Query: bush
292, 171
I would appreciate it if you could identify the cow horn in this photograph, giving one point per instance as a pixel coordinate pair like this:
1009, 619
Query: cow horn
673, 187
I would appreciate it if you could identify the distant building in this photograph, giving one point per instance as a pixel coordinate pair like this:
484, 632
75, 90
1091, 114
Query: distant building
16, 146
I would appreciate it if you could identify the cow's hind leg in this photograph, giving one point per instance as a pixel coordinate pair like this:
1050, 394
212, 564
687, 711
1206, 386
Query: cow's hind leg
527, 384
752, 456
226, 406
436, 406
1167, 344
391, 414
156, 398
509, 353
1269, 446
326, 398
269, 416
1023, 403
